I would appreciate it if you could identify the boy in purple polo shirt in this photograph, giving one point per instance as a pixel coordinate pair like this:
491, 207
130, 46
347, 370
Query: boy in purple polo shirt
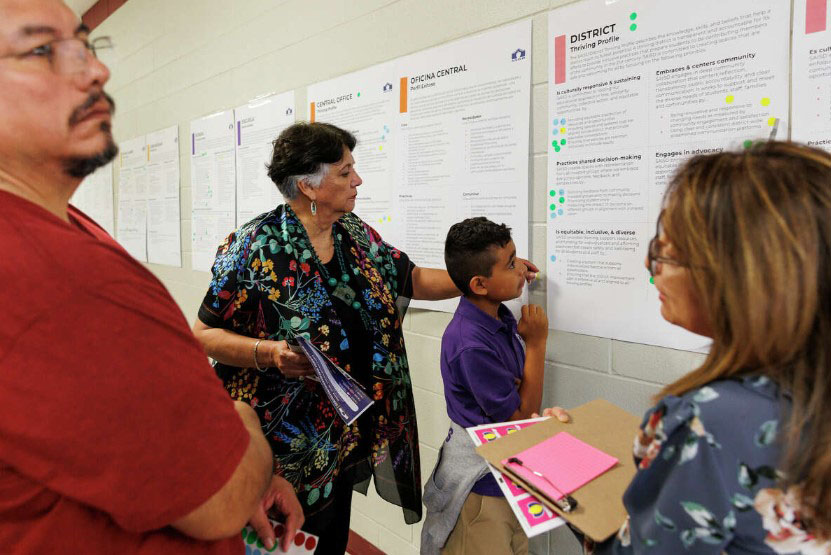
492, 369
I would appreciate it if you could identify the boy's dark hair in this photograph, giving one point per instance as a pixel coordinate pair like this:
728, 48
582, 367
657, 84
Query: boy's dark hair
467, 251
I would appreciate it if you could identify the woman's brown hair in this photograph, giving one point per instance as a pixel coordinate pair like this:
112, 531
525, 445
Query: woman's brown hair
754, 228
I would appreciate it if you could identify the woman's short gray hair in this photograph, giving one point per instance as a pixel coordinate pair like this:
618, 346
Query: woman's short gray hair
290, 186
306, 152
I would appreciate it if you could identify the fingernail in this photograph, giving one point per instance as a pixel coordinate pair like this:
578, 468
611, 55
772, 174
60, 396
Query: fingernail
269, 543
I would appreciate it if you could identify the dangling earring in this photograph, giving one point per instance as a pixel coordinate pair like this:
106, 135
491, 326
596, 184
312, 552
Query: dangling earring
314, 208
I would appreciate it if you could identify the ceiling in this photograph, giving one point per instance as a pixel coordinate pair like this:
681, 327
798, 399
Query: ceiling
80, 7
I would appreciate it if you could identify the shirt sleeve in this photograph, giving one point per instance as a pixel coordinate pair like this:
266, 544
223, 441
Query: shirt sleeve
109, 400
223, 296
678, 501
404, 272
492, 385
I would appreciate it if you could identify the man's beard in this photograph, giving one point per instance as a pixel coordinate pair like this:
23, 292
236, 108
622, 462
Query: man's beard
83, 166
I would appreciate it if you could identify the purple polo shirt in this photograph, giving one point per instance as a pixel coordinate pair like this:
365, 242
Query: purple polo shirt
481, 360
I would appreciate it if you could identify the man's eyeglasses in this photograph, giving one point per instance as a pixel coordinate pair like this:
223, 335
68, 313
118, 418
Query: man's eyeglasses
66, 56
653, 254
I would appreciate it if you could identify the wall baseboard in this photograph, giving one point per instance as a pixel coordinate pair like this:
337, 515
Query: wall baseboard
359, 546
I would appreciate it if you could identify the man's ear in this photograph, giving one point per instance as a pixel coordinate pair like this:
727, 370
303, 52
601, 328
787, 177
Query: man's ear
307, 189
478, 285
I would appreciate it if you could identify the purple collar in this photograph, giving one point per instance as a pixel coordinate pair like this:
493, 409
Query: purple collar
479, 317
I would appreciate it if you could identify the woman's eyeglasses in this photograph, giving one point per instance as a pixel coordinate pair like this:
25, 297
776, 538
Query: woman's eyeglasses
653, 253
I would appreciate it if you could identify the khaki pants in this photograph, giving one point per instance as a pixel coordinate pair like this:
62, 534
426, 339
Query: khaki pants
486, 526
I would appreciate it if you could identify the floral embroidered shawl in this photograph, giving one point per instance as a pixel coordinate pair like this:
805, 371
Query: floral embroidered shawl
267, 284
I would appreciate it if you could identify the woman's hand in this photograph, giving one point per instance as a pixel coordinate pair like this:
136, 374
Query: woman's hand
559, 413
288, 362
280, 495
531, 273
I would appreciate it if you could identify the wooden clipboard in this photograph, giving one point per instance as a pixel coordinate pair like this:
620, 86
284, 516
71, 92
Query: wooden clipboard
600, 511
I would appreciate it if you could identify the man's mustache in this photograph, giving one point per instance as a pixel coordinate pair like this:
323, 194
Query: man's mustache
80, 112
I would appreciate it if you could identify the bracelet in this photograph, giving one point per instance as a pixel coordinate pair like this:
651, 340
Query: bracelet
256, 346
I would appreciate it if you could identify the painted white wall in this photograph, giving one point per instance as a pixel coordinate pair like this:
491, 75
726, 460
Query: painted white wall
180, 59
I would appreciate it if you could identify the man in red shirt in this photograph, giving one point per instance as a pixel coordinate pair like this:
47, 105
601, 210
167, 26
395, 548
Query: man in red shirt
115, 434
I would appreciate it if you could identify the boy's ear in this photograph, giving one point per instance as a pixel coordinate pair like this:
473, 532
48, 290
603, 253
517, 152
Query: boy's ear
478, 285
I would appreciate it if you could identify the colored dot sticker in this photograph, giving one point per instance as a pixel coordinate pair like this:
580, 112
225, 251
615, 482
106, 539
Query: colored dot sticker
359, 94
552, 207
299, 539
560, 212
766, 101
562, 141
562, 130
311, 543
562, 200
652, 280
556, 148
554, 121
556, 131
748, 143
535, 509
633, 27
380, 147
551, 193
554, 144
553, 215
633, 16
562, 192
772, 121
553, 258
730, 98
563, 121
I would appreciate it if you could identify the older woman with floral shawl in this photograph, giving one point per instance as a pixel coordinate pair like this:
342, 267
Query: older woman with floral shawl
312, 268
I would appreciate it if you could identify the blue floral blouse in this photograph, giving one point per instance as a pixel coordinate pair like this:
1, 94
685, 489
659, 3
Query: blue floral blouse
707, 477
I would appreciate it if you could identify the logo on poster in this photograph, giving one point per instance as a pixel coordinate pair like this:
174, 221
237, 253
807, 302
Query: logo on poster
517, 55
387, 87
289, 111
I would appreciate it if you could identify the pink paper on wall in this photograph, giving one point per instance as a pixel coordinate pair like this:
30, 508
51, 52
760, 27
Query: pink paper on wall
565, 461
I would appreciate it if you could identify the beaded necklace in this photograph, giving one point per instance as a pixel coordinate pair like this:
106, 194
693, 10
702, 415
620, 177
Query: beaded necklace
340, 288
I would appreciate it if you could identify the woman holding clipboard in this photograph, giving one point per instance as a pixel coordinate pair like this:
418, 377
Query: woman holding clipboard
736, 455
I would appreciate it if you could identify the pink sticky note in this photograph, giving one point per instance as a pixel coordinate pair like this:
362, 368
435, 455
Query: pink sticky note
565, 461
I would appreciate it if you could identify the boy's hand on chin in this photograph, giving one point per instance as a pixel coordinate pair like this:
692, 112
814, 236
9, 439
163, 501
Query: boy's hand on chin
533, 325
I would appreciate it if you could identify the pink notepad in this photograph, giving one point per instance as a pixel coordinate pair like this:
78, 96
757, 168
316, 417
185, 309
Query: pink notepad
565, 461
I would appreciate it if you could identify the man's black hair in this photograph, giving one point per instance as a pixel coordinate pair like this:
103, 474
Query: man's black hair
468, 252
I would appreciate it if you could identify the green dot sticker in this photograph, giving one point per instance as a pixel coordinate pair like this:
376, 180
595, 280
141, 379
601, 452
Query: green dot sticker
766, 101
556, 148
562, 141
554, 144
552, 207
551, 193
359, 95
562, 200
730, 98
652, 280
633, 16
633, 27
748, 143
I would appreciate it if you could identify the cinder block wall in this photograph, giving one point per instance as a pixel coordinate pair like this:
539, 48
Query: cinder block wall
181, 59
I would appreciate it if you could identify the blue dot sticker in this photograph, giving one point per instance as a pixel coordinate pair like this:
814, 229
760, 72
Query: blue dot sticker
563, 121
560, 212
553, 258
562, 191
556, 131
553, 215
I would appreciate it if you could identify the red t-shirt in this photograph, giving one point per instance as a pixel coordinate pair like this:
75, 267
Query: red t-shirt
112, 422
